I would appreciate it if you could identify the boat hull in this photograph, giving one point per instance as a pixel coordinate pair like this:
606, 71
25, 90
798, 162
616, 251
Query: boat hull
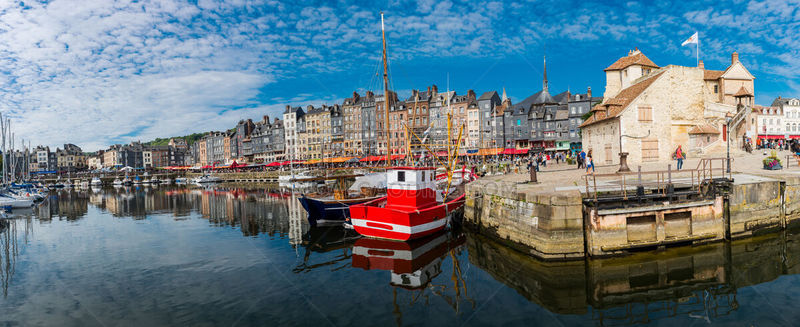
374, 219
329, 211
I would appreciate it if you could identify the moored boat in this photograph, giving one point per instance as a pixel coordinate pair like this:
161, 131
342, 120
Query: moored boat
412, 208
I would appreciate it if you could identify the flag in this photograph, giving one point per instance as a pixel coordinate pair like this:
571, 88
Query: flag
691, 40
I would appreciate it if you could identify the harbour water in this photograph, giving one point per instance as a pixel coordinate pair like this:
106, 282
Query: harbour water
222, 256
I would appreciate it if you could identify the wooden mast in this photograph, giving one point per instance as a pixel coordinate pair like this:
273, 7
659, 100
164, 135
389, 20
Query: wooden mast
386, 95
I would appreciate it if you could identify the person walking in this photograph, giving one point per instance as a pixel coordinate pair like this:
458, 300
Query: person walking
679, 155
589, 162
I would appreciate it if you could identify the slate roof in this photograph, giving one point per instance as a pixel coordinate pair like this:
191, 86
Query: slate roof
614, 106
636, 58
487, 95
562, 97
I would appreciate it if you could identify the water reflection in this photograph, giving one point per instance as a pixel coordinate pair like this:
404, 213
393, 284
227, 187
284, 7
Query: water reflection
698, 282
14, 234
688, 284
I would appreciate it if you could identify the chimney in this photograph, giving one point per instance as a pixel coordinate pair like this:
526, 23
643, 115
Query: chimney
288, 107
734, 57
266, 119
589, 92
429, 91
435, 89
414, 93
701, 65
471, 94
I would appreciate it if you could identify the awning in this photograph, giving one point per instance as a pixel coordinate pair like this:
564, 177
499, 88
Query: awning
274, 164
515, 151
312, 161
472, 151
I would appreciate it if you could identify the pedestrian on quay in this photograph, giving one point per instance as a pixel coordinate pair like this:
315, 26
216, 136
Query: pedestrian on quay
589, 162
679, 155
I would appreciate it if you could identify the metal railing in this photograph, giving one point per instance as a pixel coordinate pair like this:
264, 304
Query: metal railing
657, 180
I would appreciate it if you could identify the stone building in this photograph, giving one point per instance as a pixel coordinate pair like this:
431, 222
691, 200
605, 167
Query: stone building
781, 120
656, 108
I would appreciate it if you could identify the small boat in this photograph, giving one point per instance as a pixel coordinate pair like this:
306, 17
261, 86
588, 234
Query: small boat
335, 208
296, 180
8, 200
413, 207
137, 180
96, 181
117, 181
84, 184
180, 180
207, 179
165, 181
147, 181
328, 209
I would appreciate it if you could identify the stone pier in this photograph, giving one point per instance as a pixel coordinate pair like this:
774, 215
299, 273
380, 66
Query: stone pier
561, 223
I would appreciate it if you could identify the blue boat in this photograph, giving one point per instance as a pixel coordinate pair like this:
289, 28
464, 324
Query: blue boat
328, 210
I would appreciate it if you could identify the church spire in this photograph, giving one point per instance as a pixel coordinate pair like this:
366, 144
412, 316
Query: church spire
544, 82
504, 94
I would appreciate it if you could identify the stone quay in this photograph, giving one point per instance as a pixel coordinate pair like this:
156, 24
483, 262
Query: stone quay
607, 214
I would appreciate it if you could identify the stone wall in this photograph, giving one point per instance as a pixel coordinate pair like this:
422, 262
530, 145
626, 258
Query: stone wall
615, 231
756, 207
545, 225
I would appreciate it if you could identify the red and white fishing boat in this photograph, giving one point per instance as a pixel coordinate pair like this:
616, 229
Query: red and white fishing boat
413, 206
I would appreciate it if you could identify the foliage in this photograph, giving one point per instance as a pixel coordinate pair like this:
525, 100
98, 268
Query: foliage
772, 161
587, 115
190, 139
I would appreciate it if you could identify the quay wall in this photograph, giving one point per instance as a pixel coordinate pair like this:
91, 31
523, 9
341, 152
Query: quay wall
545, 225
755, 207
558, 226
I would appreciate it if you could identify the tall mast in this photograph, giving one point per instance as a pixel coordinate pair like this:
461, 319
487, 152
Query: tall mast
386, 95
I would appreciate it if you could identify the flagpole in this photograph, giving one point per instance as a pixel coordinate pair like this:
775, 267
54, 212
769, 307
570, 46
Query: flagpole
697, 52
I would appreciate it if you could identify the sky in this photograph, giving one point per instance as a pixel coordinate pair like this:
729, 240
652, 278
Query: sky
96, 73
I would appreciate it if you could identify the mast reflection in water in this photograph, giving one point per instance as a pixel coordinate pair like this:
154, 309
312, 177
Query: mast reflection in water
224, 256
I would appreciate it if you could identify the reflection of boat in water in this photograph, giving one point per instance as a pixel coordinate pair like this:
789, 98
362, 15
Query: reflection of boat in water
413, 264
325, 240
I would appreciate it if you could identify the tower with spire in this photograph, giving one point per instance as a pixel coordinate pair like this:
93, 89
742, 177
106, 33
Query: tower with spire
544, 81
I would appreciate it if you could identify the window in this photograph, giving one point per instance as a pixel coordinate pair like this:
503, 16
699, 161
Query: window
649, 149
423, 175
716, 89
645, 114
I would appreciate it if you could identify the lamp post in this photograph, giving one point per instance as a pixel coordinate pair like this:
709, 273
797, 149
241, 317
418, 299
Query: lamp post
728, 119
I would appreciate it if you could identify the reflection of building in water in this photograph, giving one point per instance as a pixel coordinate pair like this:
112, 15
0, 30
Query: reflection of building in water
700, 282
255, 213
297, 219
68, 204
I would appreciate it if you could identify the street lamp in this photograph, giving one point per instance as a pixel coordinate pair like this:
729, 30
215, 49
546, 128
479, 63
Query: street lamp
728, 119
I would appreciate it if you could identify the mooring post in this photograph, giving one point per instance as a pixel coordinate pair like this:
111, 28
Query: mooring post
670, 187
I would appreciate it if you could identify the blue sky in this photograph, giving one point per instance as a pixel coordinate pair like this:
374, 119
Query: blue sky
99, 72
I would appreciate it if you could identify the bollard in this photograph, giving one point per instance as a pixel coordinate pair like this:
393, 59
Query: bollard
533, 174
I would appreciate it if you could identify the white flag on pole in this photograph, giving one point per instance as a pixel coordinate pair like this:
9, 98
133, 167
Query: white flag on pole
691, 40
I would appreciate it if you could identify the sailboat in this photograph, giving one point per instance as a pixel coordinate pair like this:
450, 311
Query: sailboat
418, 201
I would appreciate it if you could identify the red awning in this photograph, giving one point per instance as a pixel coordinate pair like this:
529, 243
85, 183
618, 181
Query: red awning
775, 137
514, 151
274, 164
